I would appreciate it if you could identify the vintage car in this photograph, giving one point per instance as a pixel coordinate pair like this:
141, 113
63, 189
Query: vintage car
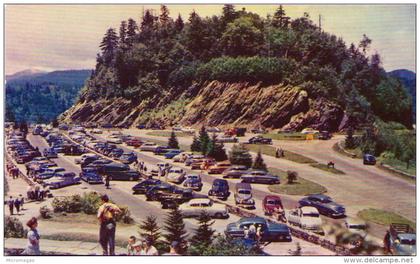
182, 157
90, 175
128, 157
195, 207
226, 139
50, 153
176, 175
118, 171
61, 180
309, 131
243, 196
270, 231
193, 181
96, 131
164, 192
203, 164
369, 159
219, 167
191, 159
324, 135
114, 140
324, 204
235, 171
259, 176
144, 185
260, 140
134, 142
356, 227
306, 217
271, 204
148, 146
116, 152
400, 239
161, 150
220, 189
172, 153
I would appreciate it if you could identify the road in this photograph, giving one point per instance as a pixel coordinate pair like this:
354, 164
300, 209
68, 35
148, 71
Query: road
121, 193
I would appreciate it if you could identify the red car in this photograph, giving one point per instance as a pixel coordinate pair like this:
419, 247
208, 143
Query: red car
272, 204
134, 142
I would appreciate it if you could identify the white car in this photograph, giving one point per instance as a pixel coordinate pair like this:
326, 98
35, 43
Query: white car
226, 139
181, 157
196, 206
148, 146
97, 131
176, 175
177, 128
306, 217
188, 130
309, 131
84, 156
114, 140
356, 226
161, 166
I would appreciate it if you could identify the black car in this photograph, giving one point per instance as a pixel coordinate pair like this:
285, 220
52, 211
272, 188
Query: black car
369, 159
91, 176
260, 176
324, 135
260, 140
118, 171
164, 191
220, 189
325, 205
143, 186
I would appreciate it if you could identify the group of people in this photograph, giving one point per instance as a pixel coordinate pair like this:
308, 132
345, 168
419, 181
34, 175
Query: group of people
141, 167
253, 232
15, 203
37, 192
279, 153
12, 170
144, 247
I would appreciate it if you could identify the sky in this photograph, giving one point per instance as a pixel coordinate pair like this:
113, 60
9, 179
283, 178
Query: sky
58, 37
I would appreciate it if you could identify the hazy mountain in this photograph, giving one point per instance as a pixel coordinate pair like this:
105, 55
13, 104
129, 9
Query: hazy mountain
25, 73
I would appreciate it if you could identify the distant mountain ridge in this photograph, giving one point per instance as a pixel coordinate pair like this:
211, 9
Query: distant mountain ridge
408, 79
35, 96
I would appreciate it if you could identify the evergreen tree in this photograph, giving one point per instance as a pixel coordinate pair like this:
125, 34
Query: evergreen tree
228, 14
147, 26
259, 163
54, 123
196, 145
109, 46
350, 141
239, 155
203, 236
131, 30
150, 229
280, 20
179, 23
175, 229
194, 34
123, 33
204, 140
173, 141
216, 150
164, 18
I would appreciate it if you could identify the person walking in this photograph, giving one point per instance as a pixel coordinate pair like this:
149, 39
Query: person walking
22, 201
107, 214
173, 249
11, 204
36, 192
33, 238
17, 205
107, 179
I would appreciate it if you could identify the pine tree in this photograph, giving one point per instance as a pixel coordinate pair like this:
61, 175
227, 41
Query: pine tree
216, 150
350, 141
239, 155
164, 15
173, 141
175, 229
123, 33
150, 229
179, 23
203, 236
196, 145
204, 140
280, 20
259, 163
147, 25
131, 30
228, 14
109, 45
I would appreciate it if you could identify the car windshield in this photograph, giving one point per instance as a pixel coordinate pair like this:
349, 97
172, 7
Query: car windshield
411, 242
244, 191
274, 202
311, 214
360, 227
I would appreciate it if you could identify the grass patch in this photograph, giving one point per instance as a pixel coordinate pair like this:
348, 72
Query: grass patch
399, 165
165, 143
74, 218
167, 134
83, 237
326, 168
271, 151
286, 136
299, 187
382, 217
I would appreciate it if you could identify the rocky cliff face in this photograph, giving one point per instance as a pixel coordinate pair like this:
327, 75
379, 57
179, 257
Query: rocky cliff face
220, 104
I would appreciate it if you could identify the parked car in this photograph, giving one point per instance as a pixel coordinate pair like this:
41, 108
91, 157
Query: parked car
118, 171
324, 135
164, 191
176, 175
259, 176
63, 180
260, 140
91, 176
182, 157
50, 153
324, 204
134, 142
83, 158
213, 129
97, 164
172, 153
116, 152
226, 139
235, 171
219, 167
243, 196
203, 164
306, 217
193, 181
148, 146
356, 227
309, 131
220, 189
96, 131
188, 130
258, 130
369, 159
195, 207
270, 231
144, 185
141, 126
400, 239
114, 140
272, 204
128, 158
191, 159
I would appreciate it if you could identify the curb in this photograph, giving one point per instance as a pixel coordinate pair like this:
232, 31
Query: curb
391, 169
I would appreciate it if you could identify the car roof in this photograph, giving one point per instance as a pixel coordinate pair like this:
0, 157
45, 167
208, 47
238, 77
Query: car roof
243, 185
257, 220
320, 196
408, 236
354, 221
200, 200
309, 209
272, 197
220, 181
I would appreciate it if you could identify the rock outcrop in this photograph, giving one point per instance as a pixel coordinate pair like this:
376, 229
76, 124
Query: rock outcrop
221, 104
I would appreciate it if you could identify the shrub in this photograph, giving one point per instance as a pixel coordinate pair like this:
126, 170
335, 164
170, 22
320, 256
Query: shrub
291, 176
14, 228
71, 204
45, 212
125, 215
91, 202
